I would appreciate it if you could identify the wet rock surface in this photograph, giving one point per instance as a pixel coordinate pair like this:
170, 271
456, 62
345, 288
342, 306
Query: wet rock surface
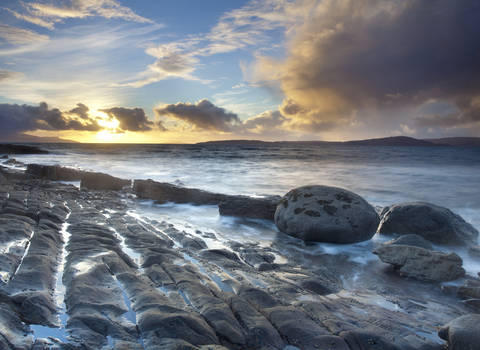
85, 261
420, 263
248, 207
434, 223
326, 214
54, 172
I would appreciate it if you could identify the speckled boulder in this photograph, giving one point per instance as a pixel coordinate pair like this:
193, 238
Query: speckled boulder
326, 214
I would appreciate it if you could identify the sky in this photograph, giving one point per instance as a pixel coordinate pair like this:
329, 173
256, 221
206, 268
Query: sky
192, 71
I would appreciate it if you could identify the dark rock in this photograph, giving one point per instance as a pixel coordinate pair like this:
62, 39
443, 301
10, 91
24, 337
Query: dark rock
434, 223
249, 207
21, 149
462, 333
326, 214
165, 192
54, 172
13, 332
474, 251
103, 182
470, 288
413, 240
259, 331
420, 263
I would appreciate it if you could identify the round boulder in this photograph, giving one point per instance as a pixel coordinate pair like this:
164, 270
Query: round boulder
326, 214
434, 223
462, 333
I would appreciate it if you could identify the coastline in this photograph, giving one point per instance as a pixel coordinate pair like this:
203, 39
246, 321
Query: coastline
131, 281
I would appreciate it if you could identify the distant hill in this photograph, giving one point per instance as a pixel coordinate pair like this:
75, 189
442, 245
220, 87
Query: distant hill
403, 141
24, 138
458, 141
234, 142
393, 141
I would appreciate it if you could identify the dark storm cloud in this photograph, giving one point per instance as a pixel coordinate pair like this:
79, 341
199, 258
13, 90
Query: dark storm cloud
379, 54
21, 118
81, 110
201, 116
130, 119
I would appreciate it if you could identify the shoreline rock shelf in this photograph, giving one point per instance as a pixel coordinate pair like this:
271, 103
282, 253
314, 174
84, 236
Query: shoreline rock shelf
136, 282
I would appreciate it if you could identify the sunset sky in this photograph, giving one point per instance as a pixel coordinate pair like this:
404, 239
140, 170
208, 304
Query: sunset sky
190, 71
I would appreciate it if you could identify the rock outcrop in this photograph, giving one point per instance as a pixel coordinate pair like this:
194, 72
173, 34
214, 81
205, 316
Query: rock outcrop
326, 214
103, 182
229, 205
462, 333
249, 207
54, 172
434, 223
163, 192
21, 149
134, 283
420, 263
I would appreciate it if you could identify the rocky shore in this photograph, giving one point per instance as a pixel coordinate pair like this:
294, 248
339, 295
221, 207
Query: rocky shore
84, 259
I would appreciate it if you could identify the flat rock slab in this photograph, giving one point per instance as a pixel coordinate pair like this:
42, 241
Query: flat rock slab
434, 223
326, 214
420, 263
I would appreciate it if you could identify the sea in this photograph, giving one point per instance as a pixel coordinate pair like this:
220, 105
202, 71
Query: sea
382, 175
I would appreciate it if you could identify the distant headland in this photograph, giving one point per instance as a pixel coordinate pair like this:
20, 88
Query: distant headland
386, 141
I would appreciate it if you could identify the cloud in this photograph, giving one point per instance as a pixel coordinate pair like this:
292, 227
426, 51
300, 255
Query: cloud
266, 122
81, 110
18, 36
201, 116
46, 15
17, 119
171, 63
246, 28
6, 74
130, 119
350, 56
468, 113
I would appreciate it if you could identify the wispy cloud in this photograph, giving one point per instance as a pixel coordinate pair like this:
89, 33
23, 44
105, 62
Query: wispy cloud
6, 74
246, 28
19, 36
46, 15
80, 63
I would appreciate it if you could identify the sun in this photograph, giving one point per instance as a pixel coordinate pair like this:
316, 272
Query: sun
104, 135
110, 125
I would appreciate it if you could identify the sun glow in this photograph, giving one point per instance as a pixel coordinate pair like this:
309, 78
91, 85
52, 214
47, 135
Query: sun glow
110, 125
